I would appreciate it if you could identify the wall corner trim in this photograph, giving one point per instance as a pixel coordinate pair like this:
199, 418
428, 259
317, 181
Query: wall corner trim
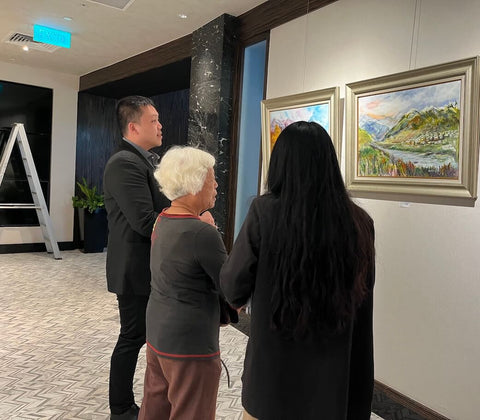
420, 409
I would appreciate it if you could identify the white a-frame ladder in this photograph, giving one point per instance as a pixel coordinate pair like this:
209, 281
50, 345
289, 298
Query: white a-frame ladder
18, 134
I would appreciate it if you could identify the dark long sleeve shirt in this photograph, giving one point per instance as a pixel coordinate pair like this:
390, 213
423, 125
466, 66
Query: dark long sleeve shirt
183, 316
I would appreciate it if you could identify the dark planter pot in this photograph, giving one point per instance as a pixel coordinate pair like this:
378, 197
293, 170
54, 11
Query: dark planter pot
95, 231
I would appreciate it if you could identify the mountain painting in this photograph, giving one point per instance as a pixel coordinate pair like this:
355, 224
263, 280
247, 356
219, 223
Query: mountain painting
280, 119
410, 133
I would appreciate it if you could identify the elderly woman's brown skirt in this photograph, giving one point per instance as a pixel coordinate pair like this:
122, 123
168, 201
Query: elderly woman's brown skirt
179, 389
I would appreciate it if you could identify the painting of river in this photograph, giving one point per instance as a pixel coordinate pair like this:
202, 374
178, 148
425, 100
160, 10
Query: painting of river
410, 133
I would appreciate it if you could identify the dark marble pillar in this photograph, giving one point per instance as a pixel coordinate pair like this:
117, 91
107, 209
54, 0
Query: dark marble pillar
211, 91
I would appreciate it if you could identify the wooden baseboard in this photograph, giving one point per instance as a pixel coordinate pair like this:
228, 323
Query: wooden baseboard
407, 402
35, 247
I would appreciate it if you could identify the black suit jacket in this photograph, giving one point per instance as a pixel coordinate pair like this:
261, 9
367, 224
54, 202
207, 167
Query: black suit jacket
133, 201
320, 377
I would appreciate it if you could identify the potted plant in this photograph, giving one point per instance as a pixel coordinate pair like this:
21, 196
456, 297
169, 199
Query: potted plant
95, 225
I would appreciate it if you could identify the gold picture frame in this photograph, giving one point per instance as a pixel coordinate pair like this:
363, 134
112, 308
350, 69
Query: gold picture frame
413, 136
321, 106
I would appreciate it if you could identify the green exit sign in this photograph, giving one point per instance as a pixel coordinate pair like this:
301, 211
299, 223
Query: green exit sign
51, 36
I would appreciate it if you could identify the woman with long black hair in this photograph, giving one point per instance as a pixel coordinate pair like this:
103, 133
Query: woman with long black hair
305, 256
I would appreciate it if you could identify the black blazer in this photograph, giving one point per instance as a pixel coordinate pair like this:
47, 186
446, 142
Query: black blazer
327, 377
133, 201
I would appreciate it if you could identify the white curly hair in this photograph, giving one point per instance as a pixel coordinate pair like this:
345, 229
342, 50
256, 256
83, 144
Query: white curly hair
182, 171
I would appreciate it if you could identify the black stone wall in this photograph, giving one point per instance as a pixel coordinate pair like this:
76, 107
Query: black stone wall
211, 93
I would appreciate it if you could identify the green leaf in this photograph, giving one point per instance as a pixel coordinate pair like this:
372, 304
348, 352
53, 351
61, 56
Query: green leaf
91, 199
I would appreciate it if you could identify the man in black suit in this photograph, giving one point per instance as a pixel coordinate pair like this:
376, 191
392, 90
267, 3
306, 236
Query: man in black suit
133, 202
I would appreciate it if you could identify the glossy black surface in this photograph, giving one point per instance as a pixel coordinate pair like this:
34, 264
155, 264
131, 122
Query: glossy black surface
211, 93
31, 106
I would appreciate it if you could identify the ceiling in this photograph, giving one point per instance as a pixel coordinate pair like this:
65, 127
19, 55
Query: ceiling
103, 35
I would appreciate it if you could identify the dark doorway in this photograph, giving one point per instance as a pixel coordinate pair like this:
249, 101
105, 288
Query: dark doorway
31, 106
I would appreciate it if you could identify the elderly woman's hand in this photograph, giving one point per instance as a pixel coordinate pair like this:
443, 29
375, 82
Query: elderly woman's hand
207, 217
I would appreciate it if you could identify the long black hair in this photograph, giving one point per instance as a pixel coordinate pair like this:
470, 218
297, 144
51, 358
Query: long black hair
321, 242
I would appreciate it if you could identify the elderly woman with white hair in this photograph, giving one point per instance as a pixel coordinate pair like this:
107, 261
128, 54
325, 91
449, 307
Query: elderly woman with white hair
183, 314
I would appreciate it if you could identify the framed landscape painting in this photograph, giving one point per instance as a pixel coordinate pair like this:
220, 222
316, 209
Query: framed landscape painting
320, 106
415, 133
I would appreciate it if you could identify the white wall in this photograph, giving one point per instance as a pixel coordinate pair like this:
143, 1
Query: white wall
427, 302
64, 128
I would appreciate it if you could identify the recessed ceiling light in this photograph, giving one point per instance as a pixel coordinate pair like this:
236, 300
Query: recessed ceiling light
25, 48
67, 18
182, 16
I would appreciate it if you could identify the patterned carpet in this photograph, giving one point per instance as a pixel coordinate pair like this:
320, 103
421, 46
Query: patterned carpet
391, 410
59, 325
